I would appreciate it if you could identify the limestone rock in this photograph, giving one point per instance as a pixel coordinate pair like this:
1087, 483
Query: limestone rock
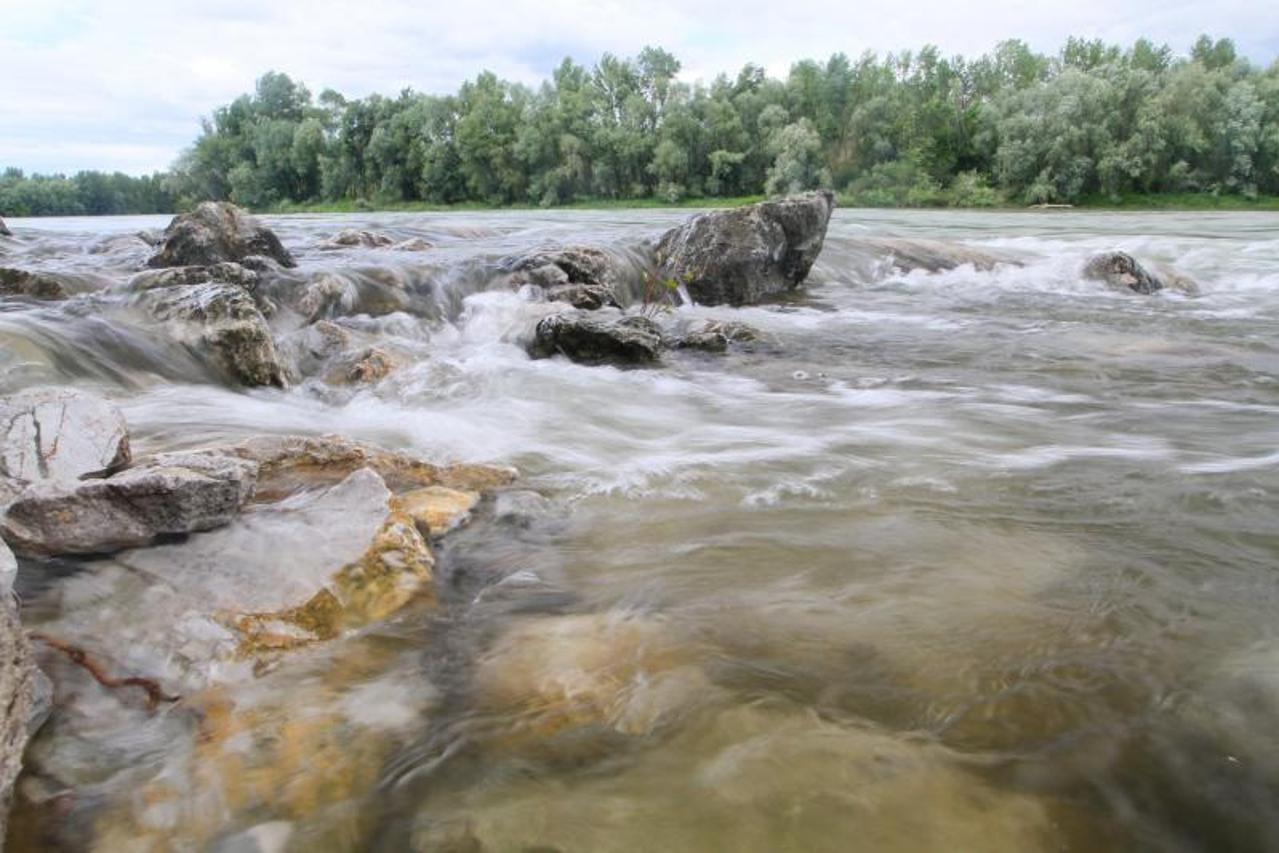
223, 321
747, 254
172, 493
225, 273
60, 433
589, 339
290, 463
438, 509
216, 232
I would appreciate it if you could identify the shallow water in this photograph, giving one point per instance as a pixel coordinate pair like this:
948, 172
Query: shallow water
967, 560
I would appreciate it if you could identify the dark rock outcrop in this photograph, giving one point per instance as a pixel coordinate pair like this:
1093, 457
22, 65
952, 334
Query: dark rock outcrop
224, 321
1121, 270
745, 255
591, 339
172, 493
60, 434
216, 232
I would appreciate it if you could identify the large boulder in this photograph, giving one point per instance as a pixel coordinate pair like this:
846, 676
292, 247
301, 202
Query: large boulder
24, 700
170, 494
591, 339
747, 254
215, 232
224, 321
60, 434
1121, 271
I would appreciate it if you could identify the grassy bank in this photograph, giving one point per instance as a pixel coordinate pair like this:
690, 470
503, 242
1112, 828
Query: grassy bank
1162, 202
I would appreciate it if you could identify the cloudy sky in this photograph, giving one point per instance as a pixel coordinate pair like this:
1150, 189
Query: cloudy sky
121, 84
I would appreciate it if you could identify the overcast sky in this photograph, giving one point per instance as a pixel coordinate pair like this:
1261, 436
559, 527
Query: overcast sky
122, 84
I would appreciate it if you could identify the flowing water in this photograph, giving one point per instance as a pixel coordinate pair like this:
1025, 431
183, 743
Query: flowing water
956, 561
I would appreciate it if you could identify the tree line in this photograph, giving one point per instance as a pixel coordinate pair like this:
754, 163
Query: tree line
1093, 121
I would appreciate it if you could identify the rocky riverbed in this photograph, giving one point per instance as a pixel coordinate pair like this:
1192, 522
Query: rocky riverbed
776, 528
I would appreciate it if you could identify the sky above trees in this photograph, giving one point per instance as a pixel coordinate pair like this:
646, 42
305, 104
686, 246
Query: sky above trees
122, 84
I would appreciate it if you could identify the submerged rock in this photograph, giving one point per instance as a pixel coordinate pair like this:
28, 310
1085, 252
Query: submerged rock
588, 339
583, 276
354, 238
60, 434
34, 285
747, 254
716, 335
1121, 270
224, 321
23, 700
172, 493
438, 509
906, 255
413, 244
217, 231
617, 672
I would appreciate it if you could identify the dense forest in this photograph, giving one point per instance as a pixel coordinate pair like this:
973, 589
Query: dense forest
1093, 122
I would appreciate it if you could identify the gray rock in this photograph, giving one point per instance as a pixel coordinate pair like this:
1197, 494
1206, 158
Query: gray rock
4, 230
929, 255
589, 339
24, 701
61, 434
169, 494
216, 232
1121, 270
584, 276
8, 569
747, 254
224, 273
224, 321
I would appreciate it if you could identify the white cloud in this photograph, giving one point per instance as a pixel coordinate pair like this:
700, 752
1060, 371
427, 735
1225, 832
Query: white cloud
122, 84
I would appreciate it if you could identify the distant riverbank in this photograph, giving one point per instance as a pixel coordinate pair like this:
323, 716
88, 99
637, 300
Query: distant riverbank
1163, 201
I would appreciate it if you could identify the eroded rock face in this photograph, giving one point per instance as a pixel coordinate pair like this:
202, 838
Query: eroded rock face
590, 339
907, 255
172, 493
745, 255
1121, 270
224, 321
60, 434
23, 700
216, 232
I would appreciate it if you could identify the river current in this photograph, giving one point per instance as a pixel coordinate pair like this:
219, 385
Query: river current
969, 560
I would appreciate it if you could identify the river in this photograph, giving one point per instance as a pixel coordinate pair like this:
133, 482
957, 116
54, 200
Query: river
957, 561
